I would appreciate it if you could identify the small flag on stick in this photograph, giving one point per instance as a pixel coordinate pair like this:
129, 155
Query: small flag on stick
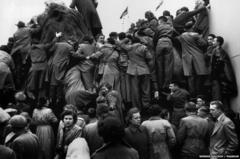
159, 5
124, 13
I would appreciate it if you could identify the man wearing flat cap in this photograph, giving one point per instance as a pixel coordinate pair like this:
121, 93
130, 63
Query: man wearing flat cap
24, 143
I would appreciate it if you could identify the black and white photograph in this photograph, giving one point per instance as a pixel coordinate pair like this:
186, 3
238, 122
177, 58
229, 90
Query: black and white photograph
119, 79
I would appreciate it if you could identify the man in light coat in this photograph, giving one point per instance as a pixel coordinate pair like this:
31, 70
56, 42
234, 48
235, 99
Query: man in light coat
224, 139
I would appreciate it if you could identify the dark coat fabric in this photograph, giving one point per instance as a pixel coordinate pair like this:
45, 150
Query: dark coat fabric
224, 139
89, 12
180, 21
90, 133
222, 72
58, 64
138, 138
191, 135
6, 153
26, 146
118, 150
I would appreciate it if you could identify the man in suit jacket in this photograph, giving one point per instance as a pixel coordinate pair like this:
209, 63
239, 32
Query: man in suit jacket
224, 139
192, 133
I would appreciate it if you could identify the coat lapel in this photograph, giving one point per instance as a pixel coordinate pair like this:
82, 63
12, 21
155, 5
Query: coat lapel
218, 124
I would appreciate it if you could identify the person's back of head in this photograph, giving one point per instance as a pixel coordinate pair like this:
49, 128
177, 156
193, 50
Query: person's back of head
166, 13
113, 35
220, 40
20, 24
91, 112
111, 129
102, 110
203, 111
190, 107
165, 114
163, 19
18, 123
184, 9
111, 41
122, 36
154, 110
88, 39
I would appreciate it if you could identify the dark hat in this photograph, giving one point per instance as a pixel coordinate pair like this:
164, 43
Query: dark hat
18, 121
20, 24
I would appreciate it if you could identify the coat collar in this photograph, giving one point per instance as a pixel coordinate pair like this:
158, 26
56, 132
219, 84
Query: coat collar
155, 118
218, 124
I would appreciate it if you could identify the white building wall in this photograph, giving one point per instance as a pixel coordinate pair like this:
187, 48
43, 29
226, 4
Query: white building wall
225, 21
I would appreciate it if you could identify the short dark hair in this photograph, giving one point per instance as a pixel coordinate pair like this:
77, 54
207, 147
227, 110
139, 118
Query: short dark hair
184, 9
91, 112
166, 13
113, 34
218, 104
111, 129
164, 113
130, 113
122, 36
163, 18
212, 35
190, 107
154, 110
102, 108
88, 39
111, 41
41, 102
69, 112
220, 40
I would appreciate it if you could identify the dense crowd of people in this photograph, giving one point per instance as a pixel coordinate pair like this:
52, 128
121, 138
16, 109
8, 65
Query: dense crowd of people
161, 90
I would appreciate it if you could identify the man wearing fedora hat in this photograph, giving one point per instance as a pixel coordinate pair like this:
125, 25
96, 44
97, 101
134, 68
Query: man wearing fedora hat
21, 45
